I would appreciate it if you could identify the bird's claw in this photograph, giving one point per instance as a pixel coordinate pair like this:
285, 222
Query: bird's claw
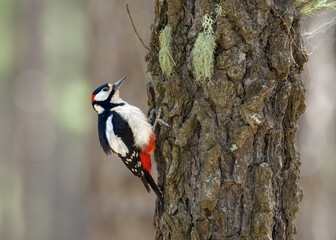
157, 119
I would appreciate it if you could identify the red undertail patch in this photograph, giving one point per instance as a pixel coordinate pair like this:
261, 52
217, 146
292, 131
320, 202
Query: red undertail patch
146, 162
144, 155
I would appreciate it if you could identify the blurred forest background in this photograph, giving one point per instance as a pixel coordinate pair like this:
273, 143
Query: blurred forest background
55, 181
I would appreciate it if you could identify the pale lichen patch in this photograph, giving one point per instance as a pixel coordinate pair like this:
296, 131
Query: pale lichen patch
165, 54
203, 51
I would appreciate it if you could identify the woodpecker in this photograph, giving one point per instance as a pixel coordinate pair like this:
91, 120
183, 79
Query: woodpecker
124, 130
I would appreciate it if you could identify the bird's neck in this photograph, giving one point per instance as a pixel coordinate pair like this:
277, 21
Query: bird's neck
117, 104
107, 106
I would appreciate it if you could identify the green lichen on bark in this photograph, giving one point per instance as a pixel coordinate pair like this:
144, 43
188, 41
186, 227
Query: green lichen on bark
203, 51
165, 54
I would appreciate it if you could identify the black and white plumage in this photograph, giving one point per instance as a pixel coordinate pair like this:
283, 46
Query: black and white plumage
123, 129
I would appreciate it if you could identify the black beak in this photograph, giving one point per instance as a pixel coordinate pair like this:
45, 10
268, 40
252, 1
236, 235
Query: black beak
117, 84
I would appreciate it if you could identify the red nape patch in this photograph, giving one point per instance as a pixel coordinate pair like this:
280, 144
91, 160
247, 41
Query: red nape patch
92, 97
146, 162
151, 145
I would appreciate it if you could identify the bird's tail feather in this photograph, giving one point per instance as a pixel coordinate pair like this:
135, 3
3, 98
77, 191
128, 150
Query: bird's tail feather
153, 185
144, 181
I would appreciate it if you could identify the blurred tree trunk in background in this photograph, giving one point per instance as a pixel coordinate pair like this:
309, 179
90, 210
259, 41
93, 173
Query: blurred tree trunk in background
12, 219
318, 127
229, 165
32, 122
46, 136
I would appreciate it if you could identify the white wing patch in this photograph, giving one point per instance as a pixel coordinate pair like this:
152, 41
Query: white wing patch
115, 142
137, 121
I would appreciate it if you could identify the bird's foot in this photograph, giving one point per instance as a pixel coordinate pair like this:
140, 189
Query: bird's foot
157, 119
151, 115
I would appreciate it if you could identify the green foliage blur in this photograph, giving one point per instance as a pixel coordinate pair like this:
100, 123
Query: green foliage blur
46, 114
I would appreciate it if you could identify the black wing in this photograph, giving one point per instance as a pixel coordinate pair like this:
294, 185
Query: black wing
122, 129
132, 159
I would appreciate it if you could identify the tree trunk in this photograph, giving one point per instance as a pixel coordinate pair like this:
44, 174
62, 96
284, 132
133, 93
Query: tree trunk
229, 165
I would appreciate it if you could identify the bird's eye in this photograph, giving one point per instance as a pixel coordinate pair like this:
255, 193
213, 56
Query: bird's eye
105, 89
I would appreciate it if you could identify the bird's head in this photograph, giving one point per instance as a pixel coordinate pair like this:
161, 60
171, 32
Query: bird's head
105, 96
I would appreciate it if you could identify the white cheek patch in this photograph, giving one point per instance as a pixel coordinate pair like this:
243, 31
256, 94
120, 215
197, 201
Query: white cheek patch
101, 96
98, 108
115, 142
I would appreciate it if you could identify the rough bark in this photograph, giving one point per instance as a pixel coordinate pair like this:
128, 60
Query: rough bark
229, 165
